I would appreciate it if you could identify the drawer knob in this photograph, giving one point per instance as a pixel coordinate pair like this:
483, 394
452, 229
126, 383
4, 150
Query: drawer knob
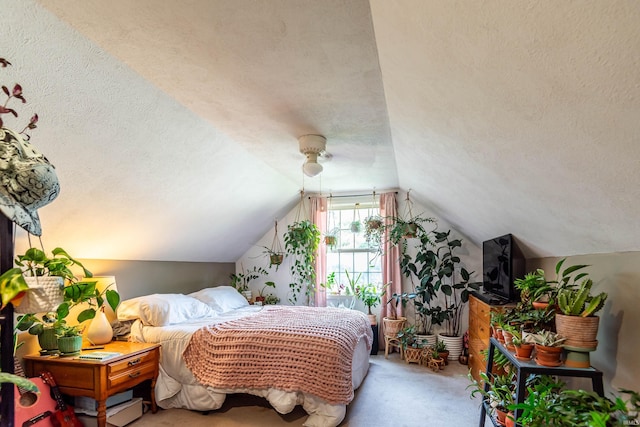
134, 362
134, 374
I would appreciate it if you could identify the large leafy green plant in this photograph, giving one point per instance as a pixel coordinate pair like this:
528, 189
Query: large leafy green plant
456, 290
301, 243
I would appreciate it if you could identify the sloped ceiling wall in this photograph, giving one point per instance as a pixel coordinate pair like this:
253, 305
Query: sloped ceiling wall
174, 125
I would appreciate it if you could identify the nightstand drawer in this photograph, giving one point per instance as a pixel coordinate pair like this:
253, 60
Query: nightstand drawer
136, 371
133, 362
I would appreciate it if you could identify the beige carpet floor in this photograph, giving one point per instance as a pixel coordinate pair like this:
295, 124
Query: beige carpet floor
393, 394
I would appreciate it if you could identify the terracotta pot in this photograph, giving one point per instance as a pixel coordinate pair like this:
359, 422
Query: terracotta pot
580, 331
523, 351
548, 356
538, 305
501, 415
498, 335
444, 355
510, 420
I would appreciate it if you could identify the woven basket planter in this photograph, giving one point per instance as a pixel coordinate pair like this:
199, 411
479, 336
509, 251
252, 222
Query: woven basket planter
393, 326
413, 355
579, 331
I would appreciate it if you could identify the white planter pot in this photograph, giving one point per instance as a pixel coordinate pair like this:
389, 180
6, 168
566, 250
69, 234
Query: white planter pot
454, 345
430, 339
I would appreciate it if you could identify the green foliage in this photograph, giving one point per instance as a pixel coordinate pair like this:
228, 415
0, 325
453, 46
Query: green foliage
84, 292
371, 295
301, 242
456, 292
267, 285
532, 286
579, 301
21, 382
407, 338
548, 338
240, 281
547, 403
12, 285
34, 262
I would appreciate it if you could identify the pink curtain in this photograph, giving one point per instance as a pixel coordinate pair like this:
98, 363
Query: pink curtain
390, 260
319, 218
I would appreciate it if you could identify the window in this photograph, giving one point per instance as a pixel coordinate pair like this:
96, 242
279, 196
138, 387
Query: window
351, 257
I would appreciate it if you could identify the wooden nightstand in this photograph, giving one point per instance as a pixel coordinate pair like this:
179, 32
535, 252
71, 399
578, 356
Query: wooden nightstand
101, 379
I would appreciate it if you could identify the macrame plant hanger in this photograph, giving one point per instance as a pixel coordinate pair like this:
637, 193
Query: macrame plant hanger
276, 254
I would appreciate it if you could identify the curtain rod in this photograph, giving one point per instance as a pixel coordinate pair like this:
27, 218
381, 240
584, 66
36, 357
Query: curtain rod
355, 195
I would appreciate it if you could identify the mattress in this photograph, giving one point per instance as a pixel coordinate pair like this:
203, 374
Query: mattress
177, 387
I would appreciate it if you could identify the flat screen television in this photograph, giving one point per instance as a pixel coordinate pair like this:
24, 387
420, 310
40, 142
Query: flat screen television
502, 263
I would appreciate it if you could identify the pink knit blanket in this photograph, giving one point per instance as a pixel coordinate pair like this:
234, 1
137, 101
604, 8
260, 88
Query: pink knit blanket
307, 349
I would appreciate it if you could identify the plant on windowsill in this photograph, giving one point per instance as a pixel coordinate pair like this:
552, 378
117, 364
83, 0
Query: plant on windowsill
301, 243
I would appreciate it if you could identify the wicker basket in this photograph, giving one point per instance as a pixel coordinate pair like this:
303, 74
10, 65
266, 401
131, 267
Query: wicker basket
393, 326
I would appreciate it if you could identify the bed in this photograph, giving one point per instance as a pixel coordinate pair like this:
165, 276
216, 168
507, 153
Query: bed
308, 356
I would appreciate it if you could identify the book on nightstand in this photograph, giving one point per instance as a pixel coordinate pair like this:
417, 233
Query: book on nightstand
99, 355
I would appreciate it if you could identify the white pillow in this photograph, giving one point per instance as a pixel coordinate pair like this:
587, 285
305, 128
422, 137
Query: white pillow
163, 309
221, 298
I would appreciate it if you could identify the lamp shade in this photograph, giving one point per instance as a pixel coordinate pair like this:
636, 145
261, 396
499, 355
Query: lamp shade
312, 168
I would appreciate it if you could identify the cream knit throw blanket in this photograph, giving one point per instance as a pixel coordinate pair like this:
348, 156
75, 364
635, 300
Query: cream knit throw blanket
308, 349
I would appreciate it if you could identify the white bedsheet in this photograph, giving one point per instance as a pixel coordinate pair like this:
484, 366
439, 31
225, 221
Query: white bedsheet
177, 388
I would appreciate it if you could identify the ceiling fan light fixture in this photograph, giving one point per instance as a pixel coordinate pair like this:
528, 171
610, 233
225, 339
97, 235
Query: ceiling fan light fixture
312, 146
311, 167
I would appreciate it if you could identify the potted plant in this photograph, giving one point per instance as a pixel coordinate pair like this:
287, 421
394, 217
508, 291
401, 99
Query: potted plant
438, 360
549, 348
497, 392
53, 324
261, 295
275, 252
549, 403
533, 288
69, 339
374, 232
577, 320
331, 238
271, 299
371, 296
301, 243
523, 344
419, 262
454, 283
412, 347
441, 348
240, 281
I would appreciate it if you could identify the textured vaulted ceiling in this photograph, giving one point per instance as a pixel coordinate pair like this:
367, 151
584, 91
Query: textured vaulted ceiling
173, 125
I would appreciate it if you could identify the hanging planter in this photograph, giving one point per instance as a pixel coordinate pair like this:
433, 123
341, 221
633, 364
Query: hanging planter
275, 252
356, 225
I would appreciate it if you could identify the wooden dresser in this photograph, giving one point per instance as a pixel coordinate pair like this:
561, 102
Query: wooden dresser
480, 332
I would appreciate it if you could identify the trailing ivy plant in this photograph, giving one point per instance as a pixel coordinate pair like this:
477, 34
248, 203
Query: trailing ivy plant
301, 243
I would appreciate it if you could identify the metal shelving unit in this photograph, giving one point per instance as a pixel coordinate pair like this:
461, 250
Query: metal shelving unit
524, 368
